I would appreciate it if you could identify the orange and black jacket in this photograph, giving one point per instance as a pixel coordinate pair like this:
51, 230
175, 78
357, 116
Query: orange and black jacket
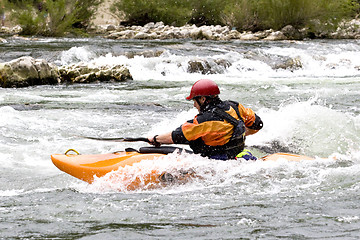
219, 129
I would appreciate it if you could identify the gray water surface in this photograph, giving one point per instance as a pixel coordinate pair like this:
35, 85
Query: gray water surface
312, 110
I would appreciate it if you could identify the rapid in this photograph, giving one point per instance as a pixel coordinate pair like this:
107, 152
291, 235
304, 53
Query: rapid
306, 92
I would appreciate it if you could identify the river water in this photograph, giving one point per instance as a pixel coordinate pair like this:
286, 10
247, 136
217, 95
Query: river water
307, 93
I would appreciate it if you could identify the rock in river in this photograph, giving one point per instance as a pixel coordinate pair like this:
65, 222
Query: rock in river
27, 71
85, 73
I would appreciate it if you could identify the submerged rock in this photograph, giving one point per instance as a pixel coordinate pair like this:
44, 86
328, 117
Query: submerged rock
275, 61
208, 67
145, 54
202, 67
83, 73
289, 64
27, 71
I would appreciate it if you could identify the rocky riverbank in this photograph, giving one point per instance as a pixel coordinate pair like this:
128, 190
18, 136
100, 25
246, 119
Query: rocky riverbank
346, 30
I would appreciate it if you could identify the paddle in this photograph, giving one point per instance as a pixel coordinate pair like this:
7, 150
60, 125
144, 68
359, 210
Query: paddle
142, 139
121, 139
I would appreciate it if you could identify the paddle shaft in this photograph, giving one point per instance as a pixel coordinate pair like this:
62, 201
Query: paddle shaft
121, 139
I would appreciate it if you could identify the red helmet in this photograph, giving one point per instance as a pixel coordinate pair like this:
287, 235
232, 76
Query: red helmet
203, 87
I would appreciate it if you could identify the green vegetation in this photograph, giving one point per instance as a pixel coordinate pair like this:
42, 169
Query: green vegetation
53, 17
300, 13
140, 12
58, 17
243, 14
206, 12
171, 12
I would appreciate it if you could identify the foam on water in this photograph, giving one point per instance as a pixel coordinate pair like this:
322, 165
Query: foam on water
309, 128
248, 177
123, 179
75, 55
10, 193
319, 61
290, 60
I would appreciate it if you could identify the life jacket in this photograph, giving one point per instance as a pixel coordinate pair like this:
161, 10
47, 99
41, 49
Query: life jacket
237, 141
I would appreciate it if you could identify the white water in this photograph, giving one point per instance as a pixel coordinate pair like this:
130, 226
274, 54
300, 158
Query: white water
248, 61
312, 110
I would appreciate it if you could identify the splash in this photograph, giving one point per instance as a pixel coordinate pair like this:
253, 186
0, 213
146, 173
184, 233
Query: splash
11, 193
75, 55
146, 175
243, 63
6, 115
186, 172
308, 128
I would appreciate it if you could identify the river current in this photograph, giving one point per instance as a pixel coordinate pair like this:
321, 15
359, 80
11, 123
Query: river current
307, 93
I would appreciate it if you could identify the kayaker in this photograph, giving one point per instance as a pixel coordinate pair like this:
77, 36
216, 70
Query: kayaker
219, 130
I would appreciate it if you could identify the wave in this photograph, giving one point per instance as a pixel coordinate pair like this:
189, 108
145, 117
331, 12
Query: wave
309, 128
240, 60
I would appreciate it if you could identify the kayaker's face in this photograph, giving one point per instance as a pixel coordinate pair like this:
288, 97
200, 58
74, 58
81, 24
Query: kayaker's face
196, 104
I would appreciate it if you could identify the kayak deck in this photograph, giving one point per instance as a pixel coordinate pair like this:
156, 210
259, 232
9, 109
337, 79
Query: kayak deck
87, 167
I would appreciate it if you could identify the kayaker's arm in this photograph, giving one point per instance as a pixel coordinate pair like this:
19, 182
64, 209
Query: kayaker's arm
165, 138
255, 127
249, 131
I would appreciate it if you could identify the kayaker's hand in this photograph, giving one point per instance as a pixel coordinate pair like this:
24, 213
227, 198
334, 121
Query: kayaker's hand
153, 141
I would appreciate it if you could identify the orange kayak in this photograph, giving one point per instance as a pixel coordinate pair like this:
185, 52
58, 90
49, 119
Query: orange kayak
86, 167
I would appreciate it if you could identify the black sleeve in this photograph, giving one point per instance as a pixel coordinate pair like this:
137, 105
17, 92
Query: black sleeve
178, 136
258, 124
